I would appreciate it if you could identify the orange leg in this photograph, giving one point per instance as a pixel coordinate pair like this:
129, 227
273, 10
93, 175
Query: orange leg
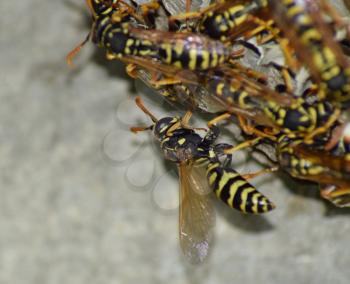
249, 129
261, 172
339, 196
287, 80
308, 138
219, 118
242, 145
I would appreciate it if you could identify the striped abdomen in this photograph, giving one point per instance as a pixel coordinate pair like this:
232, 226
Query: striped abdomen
218, 25
192, 52
232, 95
235, 191
115, 37
223, 22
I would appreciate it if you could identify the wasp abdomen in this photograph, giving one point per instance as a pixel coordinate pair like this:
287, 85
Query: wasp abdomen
235, 191
193, 53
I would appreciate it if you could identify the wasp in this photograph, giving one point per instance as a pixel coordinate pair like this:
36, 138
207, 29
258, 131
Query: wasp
225, 20
180, 50
305, 162
314, 45
197, 156
238, 94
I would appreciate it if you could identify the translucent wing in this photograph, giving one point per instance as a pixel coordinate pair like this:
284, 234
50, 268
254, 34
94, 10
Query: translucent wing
196, 216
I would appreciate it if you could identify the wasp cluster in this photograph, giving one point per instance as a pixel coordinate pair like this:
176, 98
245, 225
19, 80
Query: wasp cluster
279, 69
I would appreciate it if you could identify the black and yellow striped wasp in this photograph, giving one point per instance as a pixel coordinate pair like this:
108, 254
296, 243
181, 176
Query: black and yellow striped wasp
314, 43
226, 20
196, 157
315, 163
151, 48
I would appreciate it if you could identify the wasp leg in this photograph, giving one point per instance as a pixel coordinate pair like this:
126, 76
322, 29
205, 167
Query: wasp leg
126, 10
332, 12
221, 117
251, 130
339, 196
260, 172
196, 14
245, 144
287, 78
212, 135
146, 7
157, 83
283, 43
308, 139
131, 70
249, 72
186, 119
236, 54
262, 26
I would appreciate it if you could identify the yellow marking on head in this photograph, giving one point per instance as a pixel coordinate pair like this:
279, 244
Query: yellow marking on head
223, 28
181, 141
218, 19
282, 113
164, 129
130, 42
127, 50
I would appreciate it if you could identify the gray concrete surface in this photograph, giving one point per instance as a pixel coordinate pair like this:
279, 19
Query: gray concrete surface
84, 201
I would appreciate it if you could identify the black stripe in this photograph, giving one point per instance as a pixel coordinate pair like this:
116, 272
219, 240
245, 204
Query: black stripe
262, 201
237, 200
219, 173
250, 204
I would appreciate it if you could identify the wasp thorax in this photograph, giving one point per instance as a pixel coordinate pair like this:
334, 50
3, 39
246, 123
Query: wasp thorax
162, 126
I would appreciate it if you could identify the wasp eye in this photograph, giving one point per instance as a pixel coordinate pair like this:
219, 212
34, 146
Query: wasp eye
162, 126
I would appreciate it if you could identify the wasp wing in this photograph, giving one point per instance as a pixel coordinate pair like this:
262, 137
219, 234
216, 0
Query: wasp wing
196, 215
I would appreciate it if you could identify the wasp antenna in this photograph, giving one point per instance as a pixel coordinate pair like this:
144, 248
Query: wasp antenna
70, 56
89, 4
140, 104
136, 129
